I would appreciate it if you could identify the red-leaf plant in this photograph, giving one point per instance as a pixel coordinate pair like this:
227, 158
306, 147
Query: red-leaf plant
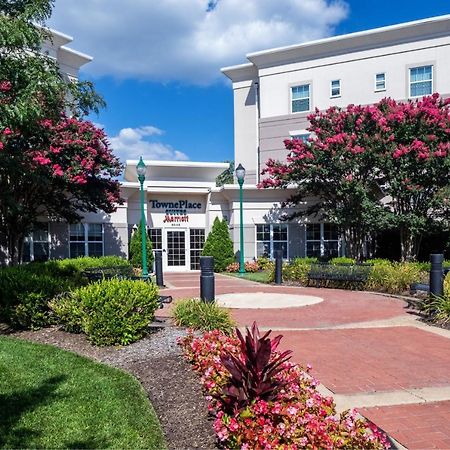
253, 372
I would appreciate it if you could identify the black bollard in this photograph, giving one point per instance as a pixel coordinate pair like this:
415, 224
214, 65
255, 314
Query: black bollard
159, 269
207, 289
436, 275
278, 267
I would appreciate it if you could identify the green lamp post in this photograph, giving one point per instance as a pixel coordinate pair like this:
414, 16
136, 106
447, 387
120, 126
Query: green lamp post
141, 170
240, 175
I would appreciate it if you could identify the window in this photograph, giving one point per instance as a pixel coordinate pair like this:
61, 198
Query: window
271, 237
322, 239
302, 136
36, 246
335, 88
380, 82
300, 98
156, 238
197, 241
420, 81
86, 239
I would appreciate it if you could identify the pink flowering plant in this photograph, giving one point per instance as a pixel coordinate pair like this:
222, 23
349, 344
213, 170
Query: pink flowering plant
261, 400
53, 161
359, 156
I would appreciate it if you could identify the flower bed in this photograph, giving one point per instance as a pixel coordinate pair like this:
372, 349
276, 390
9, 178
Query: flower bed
261, 400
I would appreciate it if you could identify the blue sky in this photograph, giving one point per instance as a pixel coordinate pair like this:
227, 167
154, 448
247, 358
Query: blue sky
157, 63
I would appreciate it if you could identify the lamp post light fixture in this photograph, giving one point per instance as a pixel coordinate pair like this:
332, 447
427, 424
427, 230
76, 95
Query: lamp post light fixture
240, 175
141, 170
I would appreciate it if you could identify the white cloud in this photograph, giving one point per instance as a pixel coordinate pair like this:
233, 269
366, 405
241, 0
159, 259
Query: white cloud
131, 143
188, 40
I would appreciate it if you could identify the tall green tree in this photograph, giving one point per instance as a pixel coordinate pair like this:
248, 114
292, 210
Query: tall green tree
136, 249
219, 245
53, 162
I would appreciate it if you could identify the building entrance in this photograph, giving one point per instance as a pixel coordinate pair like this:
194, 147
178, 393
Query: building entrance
176, 250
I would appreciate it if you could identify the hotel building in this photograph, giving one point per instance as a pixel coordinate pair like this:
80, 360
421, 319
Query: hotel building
273, 94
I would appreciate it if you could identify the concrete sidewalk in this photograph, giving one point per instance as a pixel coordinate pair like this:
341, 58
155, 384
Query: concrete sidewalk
367, 350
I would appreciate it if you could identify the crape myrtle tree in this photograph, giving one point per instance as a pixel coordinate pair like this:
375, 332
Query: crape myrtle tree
336, 166
416, 167
53, 162
372, 168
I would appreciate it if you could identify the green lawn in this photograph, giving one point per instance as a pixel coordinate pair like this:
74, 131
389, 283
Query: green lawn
260, 277
50, 398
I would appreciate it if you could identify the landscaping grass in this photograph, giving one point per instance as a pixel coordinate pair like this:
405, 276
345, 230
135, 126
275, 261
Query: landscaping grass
259, 277
51, 398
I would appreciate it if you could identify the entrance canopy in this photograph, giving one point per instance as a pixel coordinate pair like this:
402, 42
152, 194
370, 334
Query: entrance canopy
186, 173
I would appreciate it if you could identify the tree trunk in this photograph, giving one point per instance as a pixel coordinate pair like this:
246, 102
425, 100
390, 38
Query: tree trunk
354, 244
14, 250
409, 244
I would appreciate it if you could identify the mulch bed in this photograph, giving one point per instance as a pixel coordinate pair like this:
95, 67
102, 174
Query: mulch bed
156, 361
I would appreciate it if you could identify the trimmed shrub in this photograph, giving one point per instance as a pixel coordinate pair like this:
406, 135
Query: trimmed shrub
384, 276
264, 263
393, 277
109, 311
26, 290
297, 270
342, 260
219, 245
136, 249
24, 295
199, 315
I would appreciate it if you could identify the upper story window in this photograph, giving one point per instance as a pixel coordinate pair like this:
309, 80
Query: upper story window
380, 82
36, 246
86, 239
301, 98
420, 81
302, 135
335, 88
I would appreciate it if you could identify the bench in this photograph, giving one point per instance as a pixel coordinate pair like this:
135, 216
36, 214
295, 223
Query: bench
322, 273
121, 272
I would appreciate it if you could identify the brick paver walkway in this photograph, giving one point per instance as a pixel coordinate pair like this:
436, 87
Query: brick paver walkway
368, 350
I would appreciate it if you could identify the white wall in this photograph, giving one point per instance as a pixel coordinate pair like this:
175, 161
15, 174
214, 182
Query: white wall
356, 71
245, 128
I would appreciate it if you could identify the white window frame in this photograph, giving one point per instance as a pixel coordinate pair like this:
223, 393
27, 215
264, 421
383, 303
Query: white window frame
322, 239
271, 239
86, 241
300, 134
331, 88
31, 241
291, 88
376, 89
410, 68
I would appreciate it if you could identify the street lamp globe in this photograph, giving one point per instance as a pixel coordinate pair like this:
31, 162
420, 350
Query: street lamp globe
240, 173
141, 168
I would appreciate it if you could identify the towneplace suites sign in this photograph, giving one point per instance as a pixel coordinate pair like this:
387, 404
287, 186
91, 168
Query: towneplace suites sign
176, 211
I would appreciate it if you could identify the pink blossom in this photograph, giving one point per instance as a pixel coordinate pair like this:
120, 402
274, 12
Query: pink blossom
5, 86
57, 170
42, 160
7, 131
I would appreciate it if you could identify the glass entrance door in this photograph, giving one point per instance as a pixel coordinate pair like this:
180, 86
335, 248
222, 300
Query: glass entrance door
176, 250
